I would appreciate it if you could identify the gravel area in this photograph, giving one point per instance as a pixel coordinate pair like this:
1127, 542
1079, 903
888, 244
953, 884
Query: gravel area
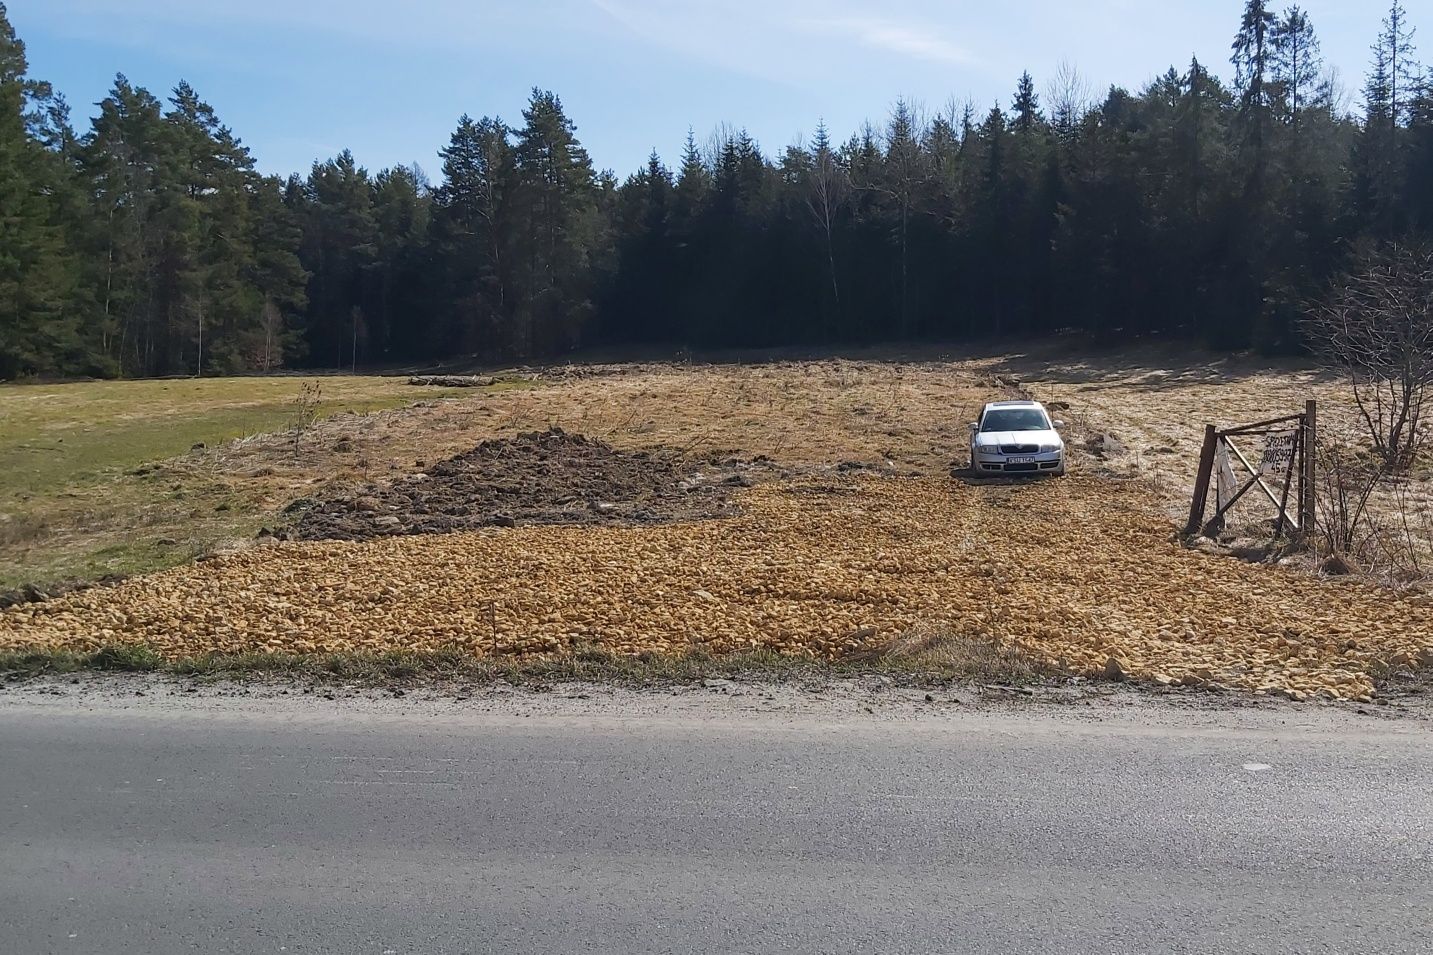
1081, 572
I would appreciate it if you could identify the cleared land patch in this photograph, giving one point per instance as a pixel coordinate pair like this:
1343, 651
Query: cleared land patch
822, 567
634, 532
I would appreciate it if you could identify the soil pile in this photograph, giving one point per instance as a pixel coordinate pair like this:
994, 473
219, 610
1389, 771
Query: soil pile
540, 477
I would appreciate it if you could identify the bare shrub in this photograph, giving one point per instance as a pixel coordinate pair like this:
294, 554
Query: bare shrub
1412, 532
1376, 328
22, 529
1367, 517
306, 412
1347, 481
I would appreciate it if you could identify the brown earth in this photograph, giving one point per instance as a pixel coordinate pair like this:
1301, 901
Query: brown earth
547, 477
1076, 573
825, 563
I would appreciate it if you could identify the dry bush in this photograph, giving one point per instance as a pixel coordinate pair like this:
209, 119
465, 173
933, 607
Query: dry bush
1409, 532
1376, 329
1346, 484
1367, 517
22, 529
306, 412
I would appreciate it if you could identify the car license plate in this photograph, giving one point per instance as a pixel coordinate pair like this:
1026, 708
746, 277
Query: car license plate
1019, 460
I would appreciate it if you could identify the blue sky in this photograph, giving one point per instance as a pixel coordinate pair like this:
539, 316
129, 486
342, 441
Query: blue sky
298, 80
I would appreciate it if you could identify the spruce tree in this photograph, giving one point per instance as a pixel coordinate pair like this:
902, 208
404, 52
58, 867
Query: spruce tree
903, 179
1419, 176
1026, 107
1297, 65
1388, 93
1253, 63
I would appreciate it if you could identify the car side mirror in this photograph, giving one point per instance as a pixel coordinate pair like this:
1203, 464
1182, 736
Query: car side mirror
1059, 426
974, 425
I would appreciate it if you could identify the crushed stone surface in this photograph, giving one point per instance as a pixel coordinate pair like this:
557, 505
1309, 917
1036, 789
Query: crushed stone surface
1081, 572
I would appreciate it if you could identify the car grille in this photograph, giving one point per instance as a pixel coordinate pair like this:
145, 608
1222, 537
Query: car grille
1022, 467
1019, 449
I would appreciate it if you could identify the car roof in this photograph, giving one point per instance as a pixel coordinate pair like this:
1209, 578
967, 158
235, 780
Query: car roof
1021, 403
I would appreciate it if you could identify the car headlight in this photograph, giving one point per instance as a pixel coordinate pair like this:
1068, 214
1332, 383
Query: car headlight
1047, 448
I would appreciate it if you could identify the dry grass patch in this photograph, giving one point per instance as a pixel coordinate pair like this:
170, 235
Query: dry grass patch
971, 656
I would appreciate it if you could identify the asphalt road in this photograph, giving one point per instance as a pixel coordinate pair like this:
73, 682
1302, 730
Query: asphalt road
272, 827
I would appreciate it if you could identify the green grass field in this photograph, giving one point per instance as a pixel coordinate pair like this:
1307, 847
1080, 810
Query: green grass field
69, 498
74, 433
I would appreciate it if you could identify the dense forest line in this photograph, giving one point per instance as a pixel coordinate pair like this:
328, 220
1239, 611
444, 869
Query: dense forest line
150, 245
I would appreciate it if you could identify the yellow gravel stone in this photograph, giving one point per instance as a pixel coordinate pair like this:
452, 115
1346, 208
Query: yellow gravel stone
1073, 572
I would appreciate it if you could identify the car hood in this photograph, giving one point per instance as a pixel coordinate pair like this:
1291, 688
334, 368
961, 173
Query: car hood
987, 439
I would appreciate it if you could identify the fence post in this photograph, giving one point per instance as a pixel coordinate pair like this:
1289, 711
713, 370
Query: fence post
1308, 504
1201, 481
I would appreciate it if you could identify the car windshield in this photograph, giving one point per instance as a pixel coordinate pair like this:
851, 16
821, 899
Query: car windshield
1015, 419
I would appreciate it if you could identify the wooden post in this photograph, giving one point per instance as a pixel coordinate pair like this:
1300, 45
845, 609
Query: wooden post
1201, 481
1294, 458
1308, 503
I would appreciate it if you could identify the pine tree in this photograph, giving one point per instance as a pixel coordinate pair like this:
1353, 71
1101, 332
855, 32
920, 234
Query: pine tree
278, 279
401, 210
339, 248
124, 159
39, 330
476, 231
557, 192
213, 308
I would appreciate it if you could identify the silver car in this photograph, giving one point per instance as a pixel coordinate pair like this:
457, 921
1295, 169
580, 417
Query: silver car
1016, 437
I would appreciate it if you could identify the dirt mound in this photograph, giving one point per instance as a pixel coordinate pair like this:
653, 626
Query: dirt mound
540, 477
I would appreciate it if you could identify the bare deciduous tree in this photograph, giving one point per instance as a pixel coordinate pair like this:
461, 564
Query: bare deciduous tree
829, 187
905, 173
1068, 95
1376, 328
268, 354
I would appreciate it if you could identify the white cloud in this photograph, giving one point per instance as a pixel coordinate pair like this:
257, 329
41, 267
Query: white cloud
789, 41
740, 36
894, 37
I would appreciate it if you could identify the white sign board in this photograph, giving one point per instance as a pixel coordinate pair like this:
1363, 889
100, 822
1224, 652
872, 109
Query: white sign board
1278, 452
